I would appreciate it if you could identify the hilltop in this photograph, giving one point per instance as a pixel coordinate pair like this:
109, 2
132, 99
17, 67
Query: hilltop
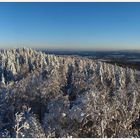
44, 95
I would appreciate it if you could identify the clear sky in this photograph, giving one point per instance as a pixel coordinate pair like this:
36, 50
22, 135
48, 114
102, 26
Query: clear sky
87, 26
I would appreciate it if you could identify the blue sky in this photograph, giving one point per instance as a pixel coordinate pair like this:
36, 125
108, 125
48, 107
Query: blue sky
87, 26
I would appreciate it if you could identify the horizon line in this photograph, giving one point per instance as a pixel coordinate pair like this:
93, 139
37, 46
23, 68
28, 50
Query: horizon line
68, 49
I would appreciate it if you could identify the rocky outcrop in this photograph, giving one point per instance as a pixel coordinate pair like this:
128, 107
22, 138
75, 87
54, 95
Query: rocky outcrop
66, 96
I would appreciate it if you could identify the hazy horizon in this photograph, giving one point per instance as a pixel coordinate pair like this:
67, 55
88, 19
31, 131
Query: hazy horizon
70, 26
